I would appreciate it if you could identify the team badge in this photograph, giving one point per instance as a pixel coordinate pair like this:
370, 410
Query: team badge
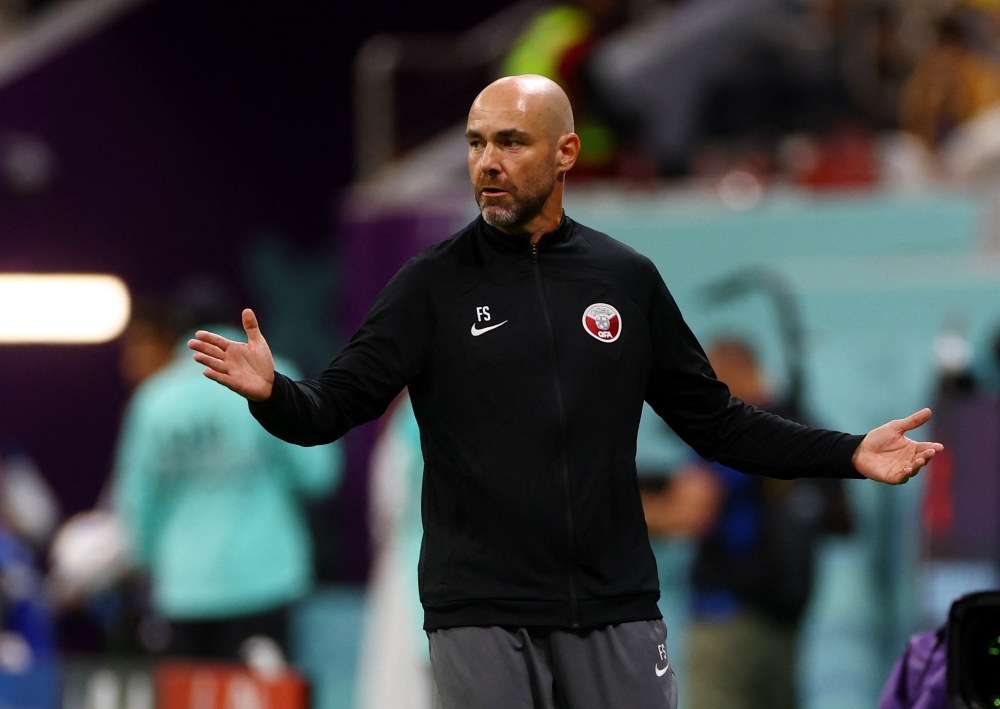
602, 321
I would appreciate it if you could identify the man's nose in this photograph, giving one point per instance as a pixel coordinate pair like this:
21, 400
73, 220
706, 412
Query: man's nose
490, 159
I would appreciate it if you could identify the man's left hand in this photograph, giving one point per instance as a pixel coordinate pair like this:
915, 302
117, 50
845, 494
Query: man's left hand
888, 456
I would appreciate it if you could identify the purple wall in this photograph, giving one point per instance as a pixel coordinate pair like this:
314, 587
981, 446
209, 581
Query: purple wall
177, 133
374, 247
132, 195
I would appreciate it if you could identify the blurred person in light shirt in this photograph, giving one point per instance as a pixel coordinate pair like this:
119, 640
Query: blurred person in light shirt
211, 504
392, 630
90, 577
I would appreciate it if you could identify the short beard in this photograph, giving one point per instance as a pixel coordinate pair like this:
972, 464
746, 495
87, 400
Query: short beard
523, 210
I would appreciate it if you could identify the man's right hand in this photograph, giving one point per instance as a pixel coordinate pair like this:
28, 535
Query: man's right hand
247, 369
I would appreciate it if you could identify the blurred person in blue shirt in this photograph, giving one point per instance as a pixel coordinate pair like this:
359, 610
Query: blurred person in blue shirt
753, 570
211, 503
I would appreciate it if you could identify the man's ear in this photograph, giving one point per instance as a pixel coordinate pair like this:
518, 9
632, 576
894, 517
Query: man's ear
567, 151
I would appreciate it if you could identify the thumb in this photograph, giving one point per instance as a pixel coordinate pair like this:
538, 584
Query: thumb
251, 327
914, 420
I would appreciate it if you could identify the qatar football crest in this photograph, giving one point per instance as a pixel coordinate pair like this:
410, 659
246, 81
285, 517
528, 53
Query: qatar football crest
602, 322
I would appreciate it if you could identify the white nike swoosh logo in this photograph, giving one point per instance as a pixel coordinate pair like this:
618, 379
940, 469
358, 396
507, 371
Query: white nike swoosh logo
659, 672
477, 333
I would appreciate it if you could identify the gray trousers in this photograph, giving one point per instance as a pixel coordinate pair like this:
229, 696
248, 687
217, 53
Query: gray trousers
619, 666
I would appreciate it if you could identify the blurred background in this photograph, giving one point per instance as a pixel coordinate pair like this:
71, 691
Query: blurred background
818, 182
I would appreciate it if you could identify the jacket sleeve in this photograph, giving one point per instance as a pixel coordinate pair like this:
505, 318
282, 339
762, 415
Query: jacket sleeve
685, 393
386, 353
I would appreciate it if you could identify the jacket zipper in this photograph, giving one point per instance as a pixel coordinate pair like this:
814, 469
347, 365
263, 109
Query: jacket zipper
563, 442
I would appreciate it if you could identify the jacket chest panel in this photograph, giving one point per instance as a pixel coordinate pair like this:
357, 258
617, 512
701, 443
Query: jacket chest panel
505, 328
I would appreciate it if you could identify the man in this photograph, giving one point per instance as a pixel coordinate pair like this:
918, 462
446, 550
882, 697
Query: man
528, 343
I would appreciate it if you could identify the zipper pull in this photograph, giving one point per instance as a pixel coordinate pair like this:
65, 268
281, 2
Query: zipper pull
534, 253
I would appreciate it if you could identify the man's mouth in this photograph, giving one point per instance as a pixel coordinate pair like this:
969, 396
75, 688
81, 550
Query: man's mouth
493, 192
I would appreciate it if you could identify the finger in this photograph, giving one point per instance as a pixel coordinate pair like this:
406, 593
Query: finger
904, 475
921, 458
930, 445
211, 362
216, 376
210, 337
206, 348
251, 326
914, 420
928, 453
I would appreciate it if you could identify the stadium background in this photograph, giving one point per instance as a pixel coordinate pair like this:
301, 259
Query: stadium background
184, 139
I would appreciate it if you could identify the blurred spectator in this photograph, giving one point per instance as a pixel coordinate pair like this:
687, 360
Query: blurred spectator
89, 581
953, 83
748, 63
752, 577
556, 44
211, 503
393, 634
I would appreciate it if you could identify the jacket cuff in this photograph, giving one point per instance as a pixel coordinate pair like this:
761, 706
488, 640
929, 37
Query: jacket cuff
843, 451
273, 404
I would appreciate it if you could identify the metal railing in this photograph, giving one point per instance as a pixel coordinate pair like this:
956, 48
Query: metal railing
383, 57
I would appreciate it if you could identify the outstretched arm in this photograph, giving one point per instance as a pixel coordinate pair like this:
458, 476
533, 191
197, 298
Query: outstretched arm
888, 456
684, 391
387, 353
246, 368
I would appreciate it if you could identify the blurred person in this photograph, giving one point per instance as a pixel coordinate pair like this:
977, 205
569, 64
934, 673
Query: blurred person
556, 44
752, 576
211, 504
392, 631
91, 583
528, 343
746, 65
952, 84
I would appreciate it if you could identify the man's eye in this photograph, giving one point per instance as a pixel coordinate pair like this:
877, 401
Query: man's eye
513, 143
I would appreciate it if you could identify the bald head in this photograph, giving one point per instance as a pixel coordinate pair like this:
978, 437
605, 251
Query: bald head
528, 98
521, 145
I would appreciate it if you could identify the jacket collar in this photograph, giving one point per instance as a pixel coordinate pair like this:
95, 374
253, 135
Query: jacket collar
519, 244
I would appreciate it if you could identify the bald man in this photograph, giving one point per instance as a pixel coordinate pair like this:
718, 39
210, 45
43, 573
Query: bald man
529, 343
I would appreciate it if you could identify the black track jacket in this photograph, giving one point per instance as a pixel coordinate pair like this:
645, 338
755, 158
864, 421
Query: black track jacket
527, 368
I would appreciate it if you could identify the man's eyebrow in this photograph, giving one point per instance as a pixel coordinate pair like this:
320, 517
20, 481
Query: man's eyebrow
504, 134
513, 133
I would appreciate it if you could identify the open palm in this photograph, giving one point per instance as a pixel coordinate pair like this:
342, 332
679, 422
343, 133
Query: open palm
888, 456
246, 368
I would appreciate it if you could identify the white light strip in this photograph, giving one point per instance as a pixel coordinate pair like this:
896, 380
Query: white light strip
62, 309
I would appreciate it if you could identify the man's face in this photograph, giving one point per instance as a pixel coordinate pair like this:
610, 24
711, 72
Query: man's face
512, 162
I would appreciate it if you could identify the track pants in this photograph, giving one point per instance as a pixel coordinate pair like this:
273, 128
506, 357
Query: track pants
621, 666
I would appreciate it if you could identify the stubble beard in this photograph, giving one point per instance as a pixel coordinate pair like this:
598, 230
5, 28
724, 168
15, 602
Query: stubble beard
522, 208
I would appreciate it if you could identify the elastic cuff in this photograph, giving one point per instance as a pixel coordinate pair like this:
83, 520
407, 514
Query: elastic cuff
843, 452
275, 402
